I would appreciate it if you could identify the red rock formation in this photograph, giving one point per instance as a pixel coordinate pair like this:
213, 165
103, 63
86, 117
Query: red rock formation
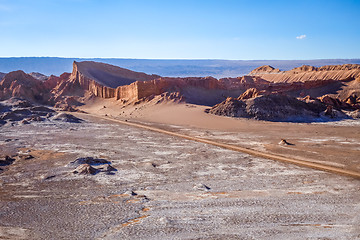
334, 102
100, 80
108, 75
244, 82
251, 93
53, 80
106, 81
91, 77
39, 76
20, 84
139, 90
266, 69
308, 73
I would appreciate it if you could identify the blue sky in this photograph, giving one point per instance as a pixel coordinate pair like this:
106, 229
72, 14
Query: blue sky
181, 29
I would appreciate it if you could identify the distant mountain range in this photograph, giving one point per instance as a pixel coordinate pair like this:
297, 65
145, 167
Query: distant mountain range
170, 68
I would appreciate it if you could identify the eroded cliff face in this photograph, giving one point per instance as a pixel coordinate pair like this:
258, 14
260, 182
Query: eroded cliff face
302, 81
101, 80
78, 83
308, 74
194, 89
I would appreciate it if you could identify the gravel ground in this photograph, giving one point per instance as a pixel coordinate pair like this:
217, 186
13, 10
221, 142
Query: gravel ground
164, 188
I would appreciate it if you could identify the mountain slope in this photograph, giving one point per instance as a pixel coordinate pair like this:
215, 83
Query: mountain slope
108, 75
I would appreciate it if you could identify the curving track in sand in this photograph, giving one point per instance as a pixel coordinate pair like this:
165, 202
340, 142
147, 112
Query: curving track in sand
271, 156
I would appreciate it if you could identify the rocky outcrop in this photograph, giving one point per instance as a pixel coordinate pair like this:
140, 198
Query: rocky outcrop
334, 102
21, 111
86, 166
108, 75
20, 84
273, 107
100, 79
85, 169
200, 90
251, 93
190, 88
15, 110
52, 81
266, 69
39, 76
89, 160
65, 117
161, 85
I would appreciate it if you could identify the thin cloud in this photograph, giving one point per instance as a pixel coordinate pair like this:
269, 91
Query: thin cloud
301, 37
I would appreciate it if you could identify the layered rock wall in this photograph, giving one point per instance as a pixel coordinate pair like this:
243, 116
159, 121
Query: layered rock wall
309, 73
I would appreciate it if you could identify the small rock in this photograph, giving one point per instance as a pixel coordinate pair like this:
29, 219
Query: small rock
131, 193
284, 142
149, 165
24, 122
85, 169
49, 177
202, 187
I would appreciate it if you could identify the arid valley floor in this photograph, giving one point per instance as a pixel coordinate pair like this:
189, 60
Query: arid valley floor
167, 187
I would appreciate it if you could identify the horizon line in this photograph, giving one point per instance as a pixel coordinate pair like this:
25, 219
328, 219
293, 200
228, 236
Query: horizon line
167, 59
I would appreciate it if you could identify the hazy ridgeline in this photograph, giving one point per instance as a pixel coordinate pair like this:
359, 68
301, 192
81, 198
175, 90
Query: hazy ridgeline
171, 68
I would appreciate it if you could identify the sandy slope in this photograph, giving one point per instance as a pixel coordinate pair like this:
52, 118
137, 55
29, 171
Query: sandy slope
333, 143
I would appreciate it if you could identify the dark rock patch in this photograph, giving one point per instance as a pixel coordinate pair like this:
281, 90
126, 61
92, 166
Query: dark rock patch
110, 168
65, 117
90, 160
277, 107
7, 160
41, 109
285, 143
202, 187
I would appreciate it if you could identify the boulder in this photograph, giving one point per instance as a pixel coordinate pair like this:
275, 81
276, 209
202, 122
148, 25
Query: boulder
85, 169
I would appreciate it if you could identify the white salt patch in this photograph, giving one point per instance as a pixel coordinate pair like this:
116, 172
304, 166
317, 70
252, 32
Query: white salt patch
165, 152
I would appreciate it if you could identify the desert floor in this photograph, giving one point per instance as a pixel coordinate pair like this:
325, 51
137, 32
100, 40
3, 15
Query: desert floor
330, 143
172, 188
